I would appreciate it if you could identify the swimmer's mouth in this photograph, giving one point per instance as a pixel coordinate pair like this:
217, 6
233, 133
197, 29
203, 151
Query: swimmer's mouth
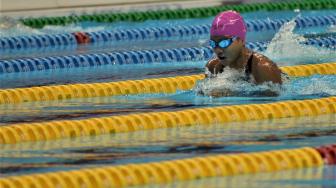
221, 57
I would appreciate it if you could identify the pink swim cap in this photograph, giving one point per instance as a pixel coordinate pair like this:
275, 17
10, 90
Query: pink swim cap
229, 23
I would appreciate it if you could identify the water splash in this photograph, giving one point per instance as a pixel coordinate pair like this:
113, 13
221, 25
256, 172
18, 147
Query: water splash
11, 27
236, 88
286, 46
232, 83
70, 28
316, 85
332, 28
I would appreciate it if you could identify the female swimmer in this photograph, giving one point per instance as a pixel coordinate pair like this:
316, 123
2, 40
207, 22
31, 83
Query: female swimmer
227, 39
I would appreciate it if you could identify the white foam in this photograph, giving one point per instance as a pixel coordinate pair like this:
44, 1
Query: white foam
232, 81
313, 85
10, 27
285, 48
332, 28
70, 28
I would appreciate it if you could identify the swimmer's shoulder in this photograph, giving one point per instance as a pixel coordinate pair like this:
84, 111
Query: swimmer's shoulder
262, 60
264, 69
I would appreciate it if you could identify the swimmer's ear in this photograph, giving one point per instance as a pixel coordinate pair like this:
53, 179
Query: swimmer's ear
240, 41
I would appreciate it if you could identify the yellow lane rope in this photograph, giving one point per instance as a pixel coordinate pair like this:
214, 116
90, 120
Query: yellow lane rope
171, 171
15, 133
157, 85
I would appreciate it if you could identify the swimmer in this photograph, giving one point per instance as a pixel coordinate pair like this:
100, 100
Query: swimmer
227, 39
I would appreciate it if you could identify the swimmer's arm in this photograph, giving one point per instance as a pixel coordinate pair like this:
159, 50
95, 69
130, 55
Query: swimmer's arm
268, 71
210, 68
268, 93
221, 93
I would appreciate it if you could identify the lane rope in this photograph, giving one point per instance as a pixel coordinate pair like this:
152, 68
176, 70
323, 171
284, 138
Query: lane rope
25, 132
149, 33
181, 13
176, 170
132, 57
131, 87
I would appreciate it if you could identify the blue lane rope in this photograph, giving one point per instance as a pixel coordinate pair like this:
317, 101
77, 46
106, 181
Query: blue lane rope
131, 57
55, 40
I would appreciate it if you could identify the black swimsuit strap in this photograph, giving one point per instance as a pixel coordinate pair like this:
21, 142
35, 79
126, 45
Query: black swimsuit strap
248, 68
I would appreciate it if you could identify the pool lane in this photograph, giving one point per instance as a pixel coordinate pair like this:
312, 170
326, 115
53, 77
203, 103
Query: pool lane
297, 89
163, 144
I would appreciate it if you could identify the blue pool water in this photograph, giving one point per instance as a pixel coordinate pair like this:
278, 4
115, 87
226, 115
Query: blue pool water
18, 29
178, 143
175, 143
297, 89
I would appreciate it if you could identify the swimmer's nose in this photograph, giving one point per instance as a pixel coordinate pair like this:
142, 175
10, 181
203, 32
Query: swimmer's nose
218, 50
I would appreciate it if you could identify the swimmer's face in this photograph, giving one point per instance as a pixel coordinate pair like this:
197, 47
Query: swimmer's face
229, 54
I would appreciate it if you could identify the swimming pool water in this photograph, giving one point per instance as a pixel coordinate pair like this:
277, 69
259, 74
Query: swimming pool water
16, 29
163, 144
11, 27
174, 143
315, 86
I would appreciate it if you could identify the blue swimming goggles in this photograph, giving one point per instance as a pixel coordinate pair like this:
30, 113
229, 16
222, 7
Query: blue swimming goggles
223, 43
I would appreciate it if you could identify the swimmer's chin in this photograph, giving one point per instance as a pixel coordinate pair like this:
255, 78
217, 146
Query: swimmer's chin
224, 60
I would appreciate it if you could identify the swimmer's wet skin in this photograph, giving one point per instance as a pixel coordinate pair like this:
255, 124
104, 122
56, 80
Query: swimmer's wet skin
227, 38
